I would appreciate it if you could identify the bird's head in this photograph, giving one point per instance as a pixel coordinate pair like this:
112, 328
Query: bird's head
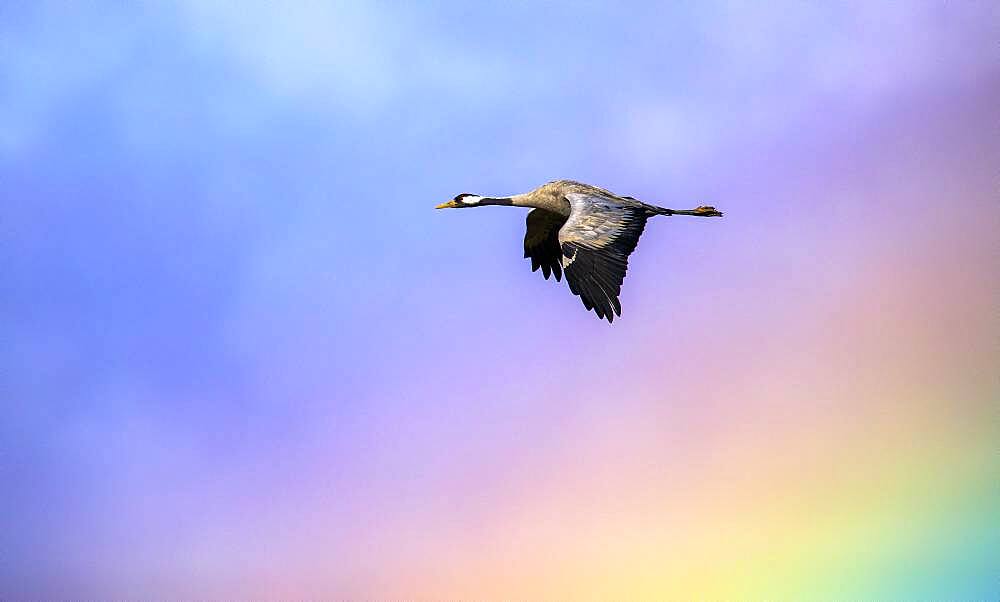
463, 200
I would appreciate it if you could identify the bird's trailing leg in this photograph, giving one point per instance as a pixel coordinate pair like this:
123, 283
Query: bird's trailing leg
703, 211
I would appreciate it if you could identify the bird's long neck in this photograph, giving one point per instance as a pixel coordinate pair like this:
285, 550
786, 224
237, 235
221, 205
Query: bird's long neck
548, 202
496, 200
535, 201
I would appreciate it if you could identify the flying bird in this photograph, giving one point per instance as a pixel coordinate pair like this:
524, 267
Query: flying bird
583, 231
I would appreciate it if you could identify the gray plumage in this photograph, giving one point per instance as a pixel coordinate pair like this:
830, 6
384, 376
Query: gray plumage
584, 232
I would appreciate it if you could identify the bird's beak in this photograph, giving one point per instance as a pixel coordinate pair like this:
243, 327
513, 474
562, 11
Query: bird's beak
447, 205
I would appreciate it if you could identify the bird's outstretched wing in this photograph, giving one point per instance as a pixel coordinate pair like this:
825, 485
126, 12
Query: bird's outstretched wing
595, 243
541, 242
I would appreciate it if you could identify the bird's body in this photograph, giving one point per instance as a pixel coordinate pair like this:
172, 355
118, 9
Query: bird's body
583, 231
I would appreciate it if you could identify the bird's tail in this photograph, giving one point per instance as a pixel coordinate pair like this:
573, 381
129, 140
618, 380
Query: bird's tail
703, 211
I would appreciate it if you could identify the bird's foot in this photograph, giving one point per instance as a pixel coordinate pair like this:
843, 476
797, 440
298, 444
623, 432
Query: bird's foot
708, 211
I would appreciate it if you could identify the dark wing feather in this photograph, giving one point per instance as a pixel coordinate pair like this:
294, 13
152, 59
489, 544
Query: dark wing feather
541, 242
595, 243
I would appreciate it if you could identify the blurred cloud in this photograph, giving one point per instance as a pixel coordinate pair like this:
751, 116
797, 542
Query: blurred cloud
760, 72
43, 64
734, 73
339, 53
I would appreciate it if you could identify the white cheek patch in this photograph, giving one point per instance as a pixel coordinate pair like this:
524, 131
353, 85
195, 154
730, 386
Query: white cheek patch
472, 200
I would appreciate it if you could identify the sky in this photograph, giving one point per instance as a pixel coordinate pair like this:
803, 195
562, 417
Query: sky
243, 357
